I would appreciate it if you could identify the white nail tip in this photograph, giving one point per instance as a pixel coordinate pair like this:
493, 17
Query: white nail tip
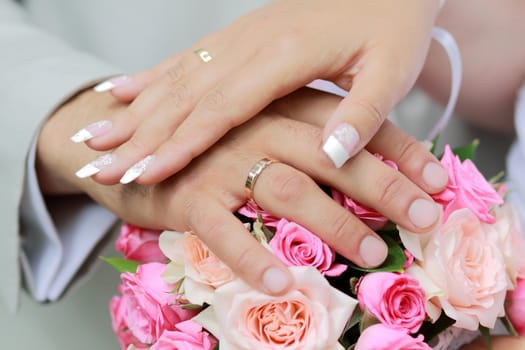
136, 170
95, 166
81, 136
87, 171
336, 151
104, 86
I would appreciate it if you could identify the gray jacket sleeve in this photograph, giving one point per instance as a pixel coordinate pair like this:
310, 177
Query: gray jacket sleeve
37, 73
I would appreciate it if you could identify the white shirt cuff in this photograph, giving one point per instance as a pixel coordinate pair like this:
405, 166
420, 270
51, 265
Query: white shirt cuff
57, 236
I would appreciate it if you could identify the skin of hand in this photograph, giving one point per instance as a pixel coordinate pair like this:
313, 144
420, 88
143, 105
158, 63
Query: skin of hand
203, 196
498, 343
490, 37
375, 49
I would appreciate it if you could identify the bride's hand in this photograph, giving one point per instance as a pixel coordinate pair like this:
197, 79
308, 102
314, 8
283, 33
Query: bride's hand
374, 48
204, 195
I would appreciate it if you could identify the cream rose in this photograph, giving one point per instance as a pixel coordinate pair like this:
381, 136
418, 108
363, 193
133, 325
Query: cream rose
192, 260
311, 316
461, 269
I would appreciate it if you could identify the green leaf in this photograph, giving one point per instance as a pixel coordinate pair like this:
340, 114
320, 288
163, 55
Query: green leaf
347, 339
485, 333
216, 347
394, 261
467, 151
122, 265
434, 144
356, 317
508, 326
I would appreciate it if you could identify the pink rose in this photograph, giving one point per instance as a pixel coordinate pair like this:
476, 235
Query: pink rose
368, 215
466, 188
515, 306
382, 337
461, 269
296, 246
188, 335
139, 244
192, 260
151, 303
396, 300
251, 209
311, 316
409, 259
119, 312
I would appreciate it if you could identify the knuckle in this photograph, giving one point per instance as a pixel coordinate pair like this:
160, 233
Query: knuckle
389, 187
180, 95
215, 101
341, 227
288, 186
138, 145
244, 262
175, 72
372, 111
408, 150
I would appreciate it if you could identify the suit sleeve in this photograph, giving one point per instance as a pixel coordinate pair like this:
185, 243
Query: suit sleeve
38, 72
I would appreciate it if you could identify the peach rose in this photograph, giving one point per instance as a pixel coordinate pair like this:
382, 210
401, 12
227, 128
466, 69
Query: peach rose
461, 269
192, 260
311, 316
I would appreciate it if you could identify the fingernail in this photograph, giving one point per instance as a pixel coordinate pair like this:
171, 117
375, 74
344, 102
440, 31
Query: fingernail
95, 166
275, 280
91, 131
341, 144
435, 175
423, 213
112, 83
136, 170
373, 251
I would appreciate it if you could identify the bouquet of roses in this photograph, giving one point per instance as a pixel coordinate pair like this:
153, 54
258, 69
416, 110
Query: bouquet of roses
461, 277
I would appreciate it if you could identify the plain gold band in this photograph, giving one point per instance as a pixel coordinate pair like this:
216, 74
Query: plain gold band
254, 173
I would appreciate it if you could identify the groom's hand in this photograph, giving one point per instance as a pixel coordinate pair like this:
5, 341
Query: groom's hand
204, 195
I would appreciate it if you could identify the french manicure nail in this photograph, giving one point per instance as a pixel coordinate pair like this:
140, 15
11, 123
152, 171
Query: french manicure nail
373, 251
91, 131
435, 175
423, 213
341, 144
95, 166
136, 170
275, 280
112, 83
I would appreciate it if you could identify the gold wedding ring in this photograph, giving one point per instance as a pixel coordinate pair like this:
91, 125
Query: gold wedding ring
204, 55
254, 173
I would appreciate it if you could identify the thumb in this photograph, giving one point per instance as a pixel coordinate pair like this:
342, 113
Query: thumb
376, 88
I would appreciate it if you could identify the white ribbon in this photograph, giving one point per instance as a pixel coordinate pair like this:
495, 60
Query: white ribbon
451, 48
